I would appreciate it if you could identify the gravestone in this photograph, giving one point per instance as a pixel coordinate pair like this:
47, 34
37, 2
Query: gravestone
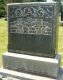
32, 40
61, 12
32, 28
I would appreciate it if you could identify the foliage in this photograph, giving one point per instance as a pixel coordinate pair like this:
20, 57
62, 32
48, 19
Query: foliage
2, 8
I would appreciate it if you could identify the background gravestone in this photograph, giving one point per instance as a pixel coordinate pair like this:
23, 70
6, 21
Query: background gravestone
62, 13
32, 28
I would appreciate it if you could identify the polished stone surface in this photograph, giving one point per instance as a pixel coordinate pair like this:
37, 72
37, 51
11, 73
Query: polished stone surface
32, 64
32, 28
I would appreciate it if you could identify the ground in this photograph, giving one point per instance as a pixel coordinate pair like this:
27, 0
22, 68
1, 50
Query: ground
4, 39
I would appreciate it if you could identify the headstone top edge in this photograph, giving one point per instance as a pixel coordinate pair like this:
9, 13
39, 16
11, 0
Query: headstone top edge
33, 3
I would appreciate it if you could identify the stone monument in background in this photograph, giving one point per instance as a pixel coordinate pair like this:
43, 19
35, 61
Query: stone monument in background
62, 12
32, 39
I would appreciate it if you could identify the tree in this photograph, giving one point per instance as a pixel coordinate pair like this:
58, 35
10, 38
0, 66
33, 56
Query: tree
2, 8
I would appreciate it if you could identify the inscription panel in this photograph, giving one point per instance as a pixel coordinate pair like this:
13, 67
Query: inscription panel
31, 28
31, 19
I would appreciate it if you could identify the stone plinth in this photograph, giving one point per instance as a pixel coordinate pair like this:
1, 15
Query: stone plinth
14, 75
31, 64
22, 76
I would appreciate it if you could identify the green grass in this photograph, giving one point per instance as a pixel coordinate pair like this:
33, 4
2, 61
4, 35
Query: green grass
60, 43
4, 40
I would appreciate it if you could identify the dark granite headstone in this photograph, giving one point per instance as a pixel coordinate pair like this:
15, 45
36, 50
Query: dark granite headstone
32, 28
61, 12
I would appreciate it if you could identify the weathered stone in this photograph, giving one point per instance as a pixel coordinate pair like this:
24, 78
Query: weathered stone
32, 64
14, 75
23, 76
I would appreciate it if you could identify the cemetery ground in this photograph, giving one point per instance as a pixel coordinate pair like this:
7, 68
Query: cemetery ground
4, 39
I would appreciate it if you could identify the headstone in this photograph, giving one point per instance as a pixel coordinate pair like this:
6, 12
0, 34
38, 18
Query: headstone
32, 28
32, 40
61, 12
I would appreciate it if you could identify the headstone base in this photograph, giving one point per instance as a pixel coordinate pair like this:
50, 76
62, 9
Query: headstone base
32, 64
22, 76
14, 75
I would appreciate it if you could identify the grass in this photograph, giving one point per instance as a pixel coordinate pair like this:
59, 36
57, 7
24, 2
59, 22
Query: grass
4, 40
60, 43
